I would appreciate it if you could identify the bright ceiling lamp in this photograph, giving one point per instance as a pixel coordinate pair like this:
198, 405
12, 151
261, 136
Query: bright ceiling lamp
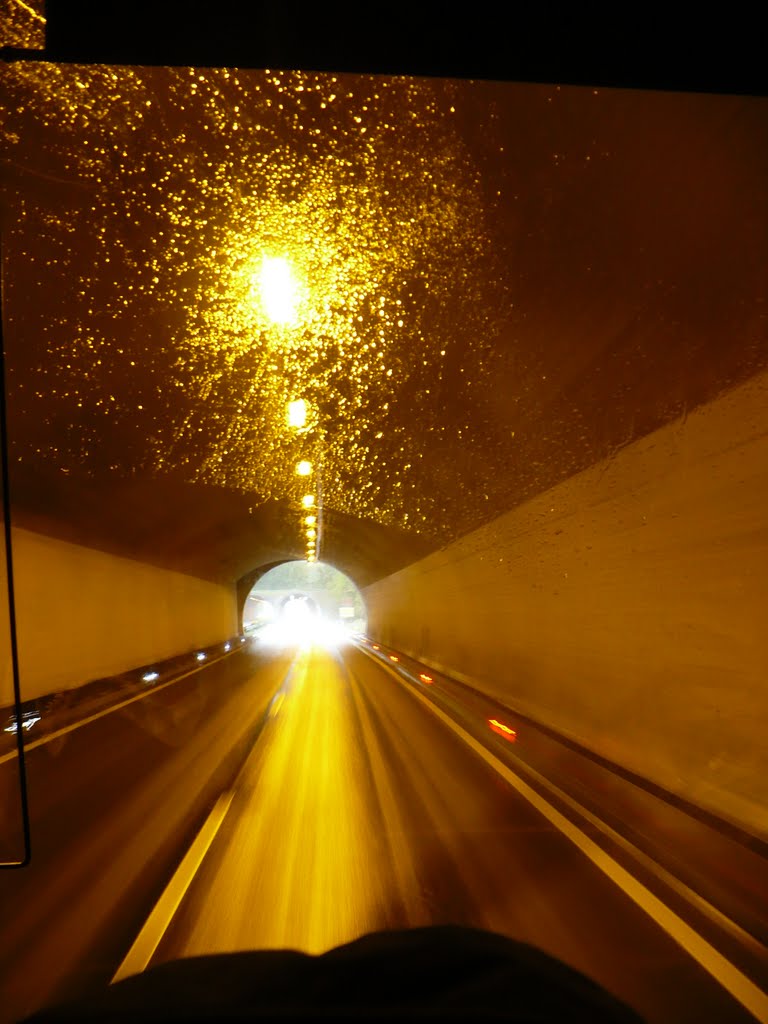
297, 413
278, 289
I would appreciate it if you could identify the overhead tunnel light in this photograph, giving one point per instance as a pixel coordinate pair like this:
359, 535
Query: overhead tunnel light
308, 501
297, 413
200, 656
278, 289
150, 677
304, 468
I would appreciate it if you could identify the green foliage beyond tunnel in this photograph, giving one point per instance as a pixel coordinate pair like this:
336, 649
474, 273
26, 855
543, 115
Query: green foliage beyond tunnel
314, 576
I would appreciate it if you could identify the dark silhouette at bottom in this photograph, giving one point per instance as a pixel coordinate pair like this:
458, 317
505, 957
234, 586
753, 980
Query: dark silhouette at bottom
443, 973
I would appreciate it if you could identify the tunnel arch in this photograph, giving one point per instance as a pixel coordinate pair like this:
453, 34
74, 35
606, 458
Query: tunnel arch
329, 592
246, 583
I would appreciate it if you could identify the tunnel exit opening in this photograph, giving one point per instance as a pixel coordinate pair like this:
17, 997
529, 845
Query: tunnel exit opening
304, 604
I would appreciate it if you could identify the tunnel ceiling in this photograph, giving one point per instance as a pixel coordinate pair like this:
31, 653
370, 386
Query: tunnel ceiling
496, 285
197, 528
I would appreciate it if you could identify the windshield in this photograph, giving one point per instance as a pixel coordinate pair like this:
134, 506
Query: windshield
386, 478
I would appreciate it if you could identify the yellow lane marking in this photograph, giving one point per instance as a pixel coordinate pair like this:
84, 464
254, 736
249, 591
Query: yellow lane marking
150, 936
115, 707
722, 970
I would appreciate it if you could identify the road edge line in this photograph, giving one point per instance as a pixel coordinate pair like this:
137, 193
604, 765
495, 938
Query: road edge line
114, 707
149, 938
726, 974
156, 925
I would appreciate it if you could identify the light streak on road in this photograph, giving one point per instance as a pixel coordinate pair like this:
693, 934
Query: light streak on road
300, 865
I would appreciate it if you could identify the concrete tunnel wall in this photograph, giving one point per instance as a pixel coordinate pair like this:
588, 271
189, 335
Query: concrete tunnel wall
83, 614
626, 607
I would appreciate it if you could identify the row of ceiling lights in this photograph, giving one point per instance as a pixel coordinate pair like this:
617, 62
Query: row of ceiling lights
297, 418
280, 297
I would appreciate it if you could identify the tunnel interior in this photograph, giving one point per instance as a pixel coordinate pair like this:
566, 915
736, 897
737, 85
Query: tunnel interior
382, 452
386, 387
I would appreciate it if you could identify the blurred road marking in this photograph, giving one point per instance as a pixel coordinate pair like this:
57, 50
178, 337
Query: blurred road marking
274, 707
722, 970
150, 936
402, 863
301, 841
114, 707
669, 880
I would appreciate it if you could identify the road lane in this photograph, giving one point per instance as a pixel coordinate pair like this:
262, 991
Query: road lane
722, 869
299, 863
359, 810
113, 806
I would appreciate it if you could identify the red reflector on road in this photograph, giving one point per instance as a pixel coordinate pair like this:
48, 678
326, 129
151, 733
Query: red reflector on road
503, 730
426, 679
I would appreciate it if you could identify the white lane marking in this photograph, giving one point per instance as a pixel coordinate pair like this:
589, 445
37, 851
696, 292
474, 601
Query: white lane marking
153, 929
151, 934
671, 881
114, 707
734, 981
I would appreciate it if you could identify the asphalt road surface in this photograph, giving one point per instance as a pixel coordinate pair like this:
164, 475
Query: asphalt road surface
345, 805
